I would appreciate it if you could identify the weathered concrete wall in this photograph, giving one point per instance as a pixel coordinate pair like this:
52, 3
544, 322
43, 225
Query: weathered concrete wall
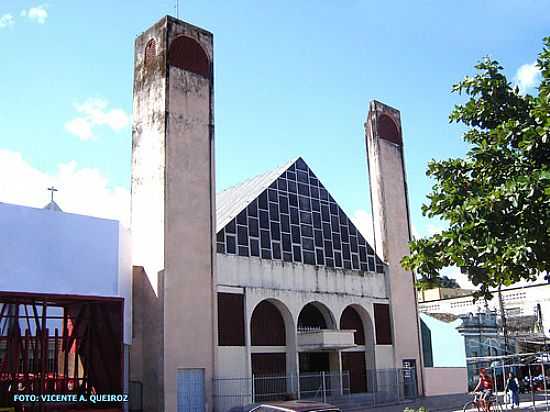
271, 274
172, 204
146, 352
392, 226
445, 381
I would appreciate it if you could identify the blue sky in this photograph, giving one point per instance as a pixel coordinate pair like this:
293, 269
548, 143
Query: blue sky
291, 78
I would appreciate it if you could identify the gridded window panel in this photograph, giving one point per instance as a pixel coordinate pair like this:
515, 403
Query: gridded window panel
296, 219
292, 187
345, 233
253, 209
231, 228
283, 204
317, 220
253, 227
293, 199
297, 252
318, 235
276, 248
314, 192
241, 218
287, 244
307, 243
353, 244
325, 213
305, 217
274, 211
265, 238
285, 223
355, 261
295, 233
262, 201
254, 247
304, 203
346, 251
242, 235
264, 219
302, 176
320, 256
275, 231
307, 230
231, 244
294, 216
282, 184
337, 259
309, 258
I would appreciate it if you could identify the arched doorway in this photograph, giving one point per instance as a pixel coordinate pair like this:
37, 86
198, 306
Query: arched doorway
271, 332
315, 317
354, 362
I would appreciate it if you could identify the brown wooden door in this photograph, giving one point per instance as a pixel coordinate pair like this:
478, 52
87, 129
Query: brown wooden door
354, 363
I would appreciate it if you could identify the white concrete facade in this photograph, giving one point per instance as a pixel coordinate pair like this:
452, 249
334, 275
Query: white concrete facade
291, 287
45, 251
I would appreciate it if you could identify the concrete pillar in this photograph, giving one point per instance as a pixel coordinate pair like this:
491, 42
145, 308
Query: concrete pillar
173, 193
390, 209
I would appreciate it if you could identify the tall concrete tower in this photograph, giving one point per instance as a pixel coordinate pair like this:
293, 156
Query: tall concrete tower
173, 212
392, 229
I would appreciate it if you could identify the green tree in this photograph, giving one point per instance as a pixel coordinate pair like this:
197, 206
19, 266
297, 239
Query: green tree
496, 200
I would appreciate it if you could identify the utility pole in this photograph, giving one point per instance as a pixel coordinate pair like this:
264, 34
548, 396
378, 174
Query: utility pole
503, 318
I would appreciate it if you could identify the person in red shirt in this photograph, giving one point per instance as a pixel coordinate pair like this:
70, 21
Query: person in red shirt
485, 388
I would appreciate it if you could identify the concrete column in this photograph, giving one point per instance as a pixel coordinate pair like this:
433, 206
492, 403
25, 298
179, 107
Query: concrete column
173, 193
390, 209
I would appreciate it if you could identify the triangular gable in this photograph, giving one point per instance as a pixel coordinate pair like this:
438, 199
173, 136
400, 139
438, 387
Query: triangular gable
287, 214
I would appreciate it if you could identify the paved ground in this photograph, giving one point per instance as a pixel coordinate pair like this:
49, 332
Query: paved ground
452, 403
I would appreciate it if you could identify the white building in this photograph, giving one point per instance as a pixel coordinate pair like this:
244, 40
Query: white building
65, 301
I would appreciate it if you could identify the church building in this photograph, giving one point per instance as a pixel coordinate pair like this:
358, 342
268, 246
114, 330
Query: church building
255, 292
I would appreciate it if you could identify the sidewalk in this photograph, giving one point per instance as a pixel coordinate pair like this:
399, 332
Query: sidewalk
455, 403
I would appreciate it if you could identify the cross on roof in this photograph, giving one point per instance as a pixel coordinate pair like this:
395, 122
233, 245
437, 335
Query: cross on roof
52, 191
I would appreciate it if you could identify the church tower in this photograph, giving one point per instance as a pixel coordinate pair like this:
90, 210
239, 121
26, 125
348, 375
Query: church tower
392, 228
173, 212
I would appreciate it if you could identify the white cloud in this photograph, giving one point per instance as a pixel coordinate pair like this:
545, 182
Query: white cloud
6, 20
81, 190
95, 112
37, 14
527, 76
80, 127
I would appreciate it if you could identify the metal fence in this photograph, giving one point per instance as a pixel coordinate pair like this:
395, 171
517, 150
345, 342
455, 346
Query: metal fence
383, 386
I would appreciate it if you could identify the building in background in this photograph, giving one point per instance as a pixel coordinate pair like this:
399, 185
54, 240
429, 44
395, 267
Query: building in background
444, 355
65, 303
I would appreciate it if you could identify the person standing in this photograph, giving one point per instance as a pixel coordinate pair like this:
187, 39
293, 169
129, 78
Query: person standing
512, 385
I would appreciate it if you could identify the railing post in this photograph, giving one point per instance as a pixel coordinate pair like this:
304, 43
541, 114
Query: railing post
397, 373
253, 390
323, 387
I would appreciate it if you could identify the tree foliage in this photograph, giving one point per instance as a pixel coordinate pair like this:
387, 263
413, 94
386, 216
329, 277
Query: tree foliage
496, 200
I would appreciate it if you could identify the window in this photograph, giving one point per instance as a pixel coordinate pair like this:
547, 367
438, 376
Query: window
295, 219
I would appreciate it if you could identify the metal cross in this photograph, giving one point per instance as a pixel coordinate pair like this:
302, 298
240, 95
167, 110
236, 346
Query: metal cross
177, 9
52, 190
